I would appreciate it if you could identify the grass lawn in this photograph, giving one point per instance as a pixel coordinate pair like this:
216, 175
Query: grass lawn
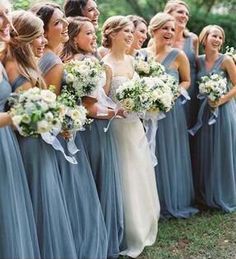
210, 234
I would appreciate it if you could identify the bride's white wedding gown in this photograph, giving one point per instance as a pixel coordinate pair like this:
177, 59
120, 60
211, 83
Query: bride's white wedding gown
141, 203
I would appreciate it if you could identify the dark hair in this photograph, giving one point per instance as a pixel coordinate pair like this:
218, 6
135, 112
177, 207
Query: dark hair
74, 7
136, 20
70, 49
45, 12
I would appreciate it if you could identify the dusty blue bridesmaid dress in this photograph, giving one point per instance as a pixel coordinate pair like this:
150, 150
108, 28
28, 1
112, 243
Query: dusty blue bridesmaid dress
18, 236
83, 204
47, 194
102, 153
215, 174
191, 106
173, 171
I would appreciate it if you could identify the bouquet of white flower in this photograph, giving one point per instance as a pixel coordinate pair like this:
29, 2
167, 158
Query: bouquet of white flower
134, 96
231, 51
163, 91
74, 115
149, 67
82, 77
35, 111
213, 86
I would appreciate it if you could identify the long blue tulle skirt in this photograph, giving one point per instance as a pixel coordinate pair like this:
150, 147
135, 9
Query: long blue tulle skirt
83, 204
18, 237
49, 204
215, 164
173, 172
102, 154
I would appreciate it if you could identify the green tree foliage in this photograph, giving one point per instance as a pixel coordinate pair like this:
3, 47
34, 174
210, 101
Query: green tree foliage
202, 12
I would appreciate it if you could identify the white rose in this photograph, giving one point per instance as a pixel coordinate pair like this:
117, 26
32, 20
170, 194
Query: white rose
17, 119
43, 126
48, 116
48, 96
70, 78
26, 119
30, 107
128, 104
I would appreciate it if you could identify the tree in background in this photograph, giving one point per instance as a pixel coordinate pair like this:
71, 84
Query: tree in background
221, 12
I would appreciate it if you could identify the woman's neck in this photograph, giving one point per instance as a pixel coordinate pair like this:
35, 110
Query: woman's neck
57, 48
179, 34
131, 52
117, 53
159, 49
211, 55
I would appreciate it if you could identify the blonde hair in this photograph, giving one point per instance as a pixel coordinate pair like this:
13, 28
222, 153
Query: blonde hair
171, 6
206, 31
158, 21
6, 4
70, 47
111, 25
27, 28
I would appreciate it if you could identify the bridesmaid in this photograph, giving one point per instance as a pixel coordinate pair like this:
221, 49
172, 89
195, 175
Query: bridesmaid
141, 204
216, 144
80, 190
173, 172
18, 237
47, 194
100, 146
140, 34
188, 42
86, 8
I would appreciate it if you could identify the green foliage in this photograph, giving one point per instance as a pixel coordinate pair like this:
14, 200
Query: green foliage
227, 22
21, 4
201, 14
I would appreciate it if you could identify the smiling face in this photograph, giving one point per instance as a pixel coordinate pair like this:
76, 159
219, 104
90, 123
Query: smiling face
57, 29
86, 38
38, 45
165, 34
140, 35
91, 11
214, 39
181, 15
4, 23
124, 37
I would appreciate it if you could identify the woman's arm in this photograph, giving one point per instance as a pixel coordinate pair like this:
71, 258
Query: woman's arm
184, 70
107, 86
5, 119
230, 68
54, 77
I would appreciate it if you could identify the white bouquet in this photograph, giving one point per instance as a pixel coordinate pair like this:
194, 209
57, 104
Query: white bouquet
74, 115
134, 95
231, 51
82, 77
149, 67
213, 86
35, 111
162, 92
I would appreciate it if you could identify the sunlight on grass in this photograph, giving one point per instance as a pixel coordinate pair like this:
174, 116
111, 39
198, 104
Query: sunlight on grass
209, 234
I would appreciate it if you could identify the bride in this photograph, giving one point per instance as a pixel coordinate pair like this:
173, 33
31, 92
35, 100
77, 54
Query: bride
141, 203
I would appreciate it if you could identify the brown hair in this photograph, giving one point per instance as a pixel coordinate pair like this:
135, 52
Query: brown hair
27, 28
74, 28
113, 24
